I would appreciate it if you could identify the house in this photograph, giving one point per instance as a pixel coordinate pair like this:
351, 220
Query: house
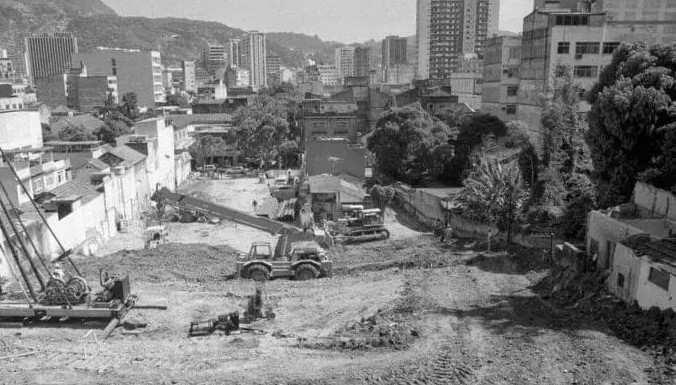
651, 212
329, 192
435, 99
129, 166
644, 270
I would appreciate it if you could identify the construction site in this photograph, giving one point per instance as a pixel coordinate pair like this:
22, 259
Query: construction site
213, 287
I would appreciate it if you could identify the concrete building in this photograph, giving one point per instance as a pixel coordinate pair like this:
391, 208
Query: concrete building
189, 80
214, 56
448, 29
286, 75
164, 161
433, 98
500, 88
85, 93
254, 52
345, 62
362, 61
582, 41
273, 70
236, 77
328, 75
49, 54
235, 54
136, 71
214, 91
7, 70
394, 51
52, 90
399, 74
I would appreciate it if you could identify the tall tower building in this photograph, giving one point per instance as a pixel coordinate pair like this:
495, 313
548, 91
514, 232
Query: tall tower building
345, 62
189, 80
49, 54
214, 57
235, 53
394, 51
362, 61
254, 55
449, 29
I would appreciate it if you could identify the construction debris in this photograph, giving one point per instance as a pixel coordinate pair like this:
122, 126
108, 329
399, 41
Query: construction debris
226, 323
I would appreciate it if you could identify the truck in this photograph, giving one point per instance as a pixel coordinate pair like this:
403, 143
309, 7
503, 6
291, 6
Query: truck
305, 261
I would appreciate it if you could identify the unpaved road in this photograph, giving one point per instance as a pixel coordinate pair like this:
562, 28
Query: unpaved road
475, 319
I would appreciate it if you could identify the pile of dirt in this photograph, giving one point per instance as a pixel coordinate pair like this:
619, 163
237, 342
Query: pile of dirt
422, 252
652, 330
168, 262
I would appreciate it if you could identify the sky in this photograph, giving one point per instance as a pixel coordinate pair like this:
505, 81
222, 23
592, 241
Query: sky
345, 21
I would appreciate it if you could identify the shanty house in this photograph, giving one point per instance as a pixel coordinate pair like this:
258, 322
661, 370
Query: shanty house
329, 192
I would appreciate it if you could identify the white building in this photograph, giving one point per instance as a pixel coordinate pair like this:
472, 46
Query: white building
344, 62
328, 75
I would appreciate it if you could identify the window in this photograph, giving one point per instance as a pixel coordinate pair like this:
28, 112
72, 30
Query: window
511, 109
564, 47
572, 20
113, 62
586, 71
114, 71
512, 90
583, 47
620, 280
610, 47
659, 277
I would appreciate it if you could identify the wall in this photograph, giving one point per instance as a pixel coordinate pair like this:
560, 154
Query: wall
20, 129
317, 154
648, 294
425, 207
655, 201
164, 173
607, 232
626, 263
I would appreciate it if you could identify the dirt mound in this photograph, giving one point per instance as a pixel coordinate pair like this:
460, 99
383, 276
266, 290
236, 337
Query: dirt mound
653, 330
169, 262
422, 252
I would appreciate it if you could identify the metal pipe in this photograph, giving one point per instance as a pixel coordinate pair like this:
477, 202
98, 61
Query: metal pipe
25, 190
17, 260
110, 328
20, 241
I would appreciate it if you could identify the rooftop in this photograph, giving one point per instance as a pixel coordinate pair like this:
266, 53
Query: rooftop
128, 155
325, 183
89, 122
663, 250
183, 121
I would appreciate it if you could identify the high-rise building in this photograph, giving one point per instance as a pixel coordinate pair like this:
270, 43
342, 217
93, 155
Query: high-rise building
7, 69
449, 29
345, 62
214, 57
500, 85
86, 92
189, 81
49, 54
362, 61
137, 71
394, 51
273, 70
255, 57
235, 58
328, 75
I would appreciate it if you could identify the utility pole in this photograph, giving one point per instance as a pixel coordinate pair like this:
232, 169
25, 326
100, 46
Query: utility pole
509, 219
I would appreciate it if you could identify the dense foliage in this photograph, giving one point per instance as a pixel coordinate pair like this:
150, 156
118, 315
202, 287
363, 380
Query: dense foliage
632, 122
409, 144
205, 148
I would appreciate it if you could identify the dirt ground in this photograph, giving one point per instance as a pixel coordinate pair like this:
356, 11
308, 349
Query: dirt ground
403, 311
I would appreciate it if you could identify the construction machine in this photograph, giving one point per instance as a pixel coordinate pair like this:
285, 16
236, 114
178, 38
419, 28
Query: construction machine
304, 261
359, 225
154, 236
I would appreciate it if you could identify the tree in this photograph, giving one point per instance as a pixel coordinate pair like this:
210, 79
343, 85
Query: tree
76, 134
177, 100
111, 130
47, 134
129, 105
493, 194
633, 121
290, 154
206, 147
473, 130
408, 144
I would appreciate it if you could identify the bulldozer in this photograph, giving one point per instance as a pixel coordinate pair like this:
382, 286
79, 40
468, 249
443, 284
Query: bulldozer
359, 225
305, 261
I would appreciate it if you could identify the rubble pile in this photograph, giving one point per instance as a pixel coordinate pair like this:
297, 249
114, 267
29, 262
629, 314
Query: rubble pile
652, 330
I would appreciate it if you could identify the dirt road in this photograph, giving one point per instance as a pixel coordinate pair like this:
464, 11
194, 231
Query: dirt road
459, 318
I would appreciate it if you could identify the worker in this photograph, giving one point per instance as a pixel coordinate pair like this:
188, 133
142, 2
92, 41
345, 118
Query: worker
254, 204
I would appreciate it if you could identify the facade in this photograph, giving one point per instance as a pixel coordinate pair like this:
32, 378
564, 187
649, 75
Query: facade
582, 41
216, 91
335, 156
500, 88
52, 90
236, 77
330, 124
399, 74
254, 53
136, 71
362, 61
236, 54
7, 70
189, 81
345, 62
328, 75
448, 29
434, 99
214, 56
394, 51
273, 70
84, 93
159, 131
49, 54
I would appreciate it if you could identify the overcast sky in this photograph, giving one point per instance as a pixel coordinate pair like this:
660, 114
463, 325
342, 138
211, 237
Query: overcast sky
345, 21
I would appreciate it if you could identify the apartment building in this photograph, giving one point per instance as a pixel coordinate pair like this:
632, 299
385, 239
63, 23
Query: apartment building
500, 85
214, 57
254, 53
345, 62
49, 54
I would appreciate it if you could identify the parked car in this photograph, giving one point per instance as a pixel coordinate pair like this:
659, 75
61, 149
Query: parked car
238, 170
